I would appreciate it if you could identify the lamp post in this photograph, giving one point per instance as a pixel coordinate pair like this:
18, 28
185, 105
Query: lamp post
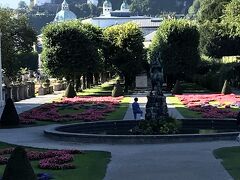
1, 92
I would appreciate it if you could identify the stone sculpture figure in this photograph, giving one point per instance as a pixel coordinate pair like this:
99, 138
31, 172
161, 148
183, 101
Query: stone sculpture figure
156, 75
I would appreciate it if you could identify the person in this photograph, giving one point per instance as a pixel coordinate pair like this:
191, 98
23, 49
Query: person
136, 109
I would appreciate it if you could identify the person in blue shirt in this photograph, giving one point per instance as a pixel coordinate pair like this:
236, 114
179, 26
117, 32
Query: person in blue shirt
136, 109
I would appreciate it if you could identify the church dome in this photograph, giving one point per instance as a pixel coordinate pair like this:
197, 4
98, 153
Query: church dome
65, 14
107, 3
124, 6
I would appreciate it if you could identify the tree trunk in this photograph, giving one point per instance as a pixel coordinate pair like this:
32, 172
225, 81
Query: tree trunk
89, 80
78, 83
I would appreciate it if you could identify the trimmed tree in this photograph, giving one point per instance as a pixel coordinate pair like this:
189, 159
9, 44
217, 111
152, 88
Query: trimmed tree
18, 166
226, 88
176, 41
71, 49
70, 92
177, 89
9, 116
124, 50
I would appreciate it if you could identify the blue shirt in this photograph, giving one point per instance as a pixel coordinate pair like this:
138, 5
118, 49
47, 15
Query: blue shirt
135, 107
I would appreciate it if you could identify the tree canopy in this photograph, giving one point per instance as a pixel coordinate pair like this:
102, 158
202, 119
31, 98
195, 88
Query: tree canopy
124, 49
176, 42
70, 48
17, 38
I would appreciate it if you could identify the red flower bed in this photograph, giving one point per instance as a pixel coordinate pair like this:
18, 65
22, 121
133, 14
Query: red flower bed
220, 109
94, 108
52, 159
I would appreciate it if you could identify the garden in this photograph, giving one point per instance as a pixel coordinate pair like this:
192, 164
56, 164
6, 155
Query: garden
207, 105
60, 164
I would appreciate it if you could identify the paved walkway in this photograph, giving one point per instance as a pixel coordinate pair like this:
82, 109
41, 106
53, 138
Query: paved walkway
181, 161
142, 100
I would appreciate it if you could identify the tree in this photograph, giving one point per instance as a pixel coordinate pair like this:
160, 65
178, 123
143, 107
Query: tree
176, 41
17, 38
216, 41
231, 18
22, 6
70, 48
211, 10
124, 50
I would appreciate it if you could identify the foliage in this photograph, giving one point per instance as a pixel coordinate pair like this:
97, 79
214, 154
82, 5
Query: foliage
9, 116
216, 41
231, 18
88, 10
226, 88
211, 10
177, 89
70, 92
124, 49
71, 48
28, 60
166, 125
193, 9
18, 166
17, 37
176, 41
157, 7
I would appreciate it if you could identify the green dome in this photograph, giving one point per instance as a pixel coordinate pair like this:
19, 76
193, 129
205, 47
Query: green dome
107, 3
65, 14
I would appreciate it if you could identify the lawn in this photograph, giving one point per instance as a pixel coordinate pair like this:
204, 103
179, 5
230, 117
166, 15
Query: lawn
90, 165
230, 160
206, 105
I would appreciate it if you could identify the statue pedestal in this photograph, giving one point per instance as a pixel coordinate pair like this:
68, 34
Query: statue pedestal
156, 107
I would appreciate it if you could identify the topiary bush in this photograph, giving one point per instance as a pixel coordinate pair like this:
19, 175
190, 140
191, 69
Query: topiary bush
117, 90
18, 166
226, 88
9, 116
70, 92
177, 89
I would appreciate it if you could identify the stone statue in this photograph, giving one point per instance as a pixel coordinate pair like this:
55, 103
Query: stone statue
156, 75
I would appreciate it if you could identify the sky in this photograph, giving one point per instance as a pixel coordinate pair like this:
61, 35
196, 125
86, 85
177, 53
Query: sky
11, 3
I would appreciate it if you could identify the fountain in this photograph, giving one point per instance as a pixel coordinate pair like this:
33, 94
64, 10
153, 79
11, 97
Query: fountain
115, 132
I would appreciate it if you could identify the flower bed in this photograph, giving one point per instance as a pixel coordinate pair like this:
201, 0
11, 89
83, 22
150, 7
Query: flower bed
92, 109
52, 159
212, 105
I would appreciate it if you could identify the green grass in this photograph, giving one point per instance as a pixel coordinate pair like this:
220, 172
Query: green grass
119, 113
91, 165
183, 110
99, 90
230, 160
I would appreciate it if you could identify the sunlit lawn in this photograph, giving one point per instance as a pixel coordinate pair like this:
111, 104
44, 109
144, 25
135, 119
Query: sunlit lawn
183, 110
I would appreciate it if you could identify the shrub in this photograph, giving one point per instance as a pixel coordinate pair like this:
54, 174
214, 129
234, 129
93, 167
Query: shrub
117, 90
226, 88
70, 92
166, 125
9, 116
18, 166
177, 89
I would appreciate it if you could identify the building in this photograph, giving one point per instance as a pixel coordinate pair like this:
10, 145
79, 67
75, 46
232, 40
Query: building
94, 2
111, 18
65, 14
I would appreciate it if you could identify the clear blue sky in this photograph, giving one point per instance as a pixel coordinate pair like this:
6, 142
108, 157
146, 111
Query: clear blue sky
11, 3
